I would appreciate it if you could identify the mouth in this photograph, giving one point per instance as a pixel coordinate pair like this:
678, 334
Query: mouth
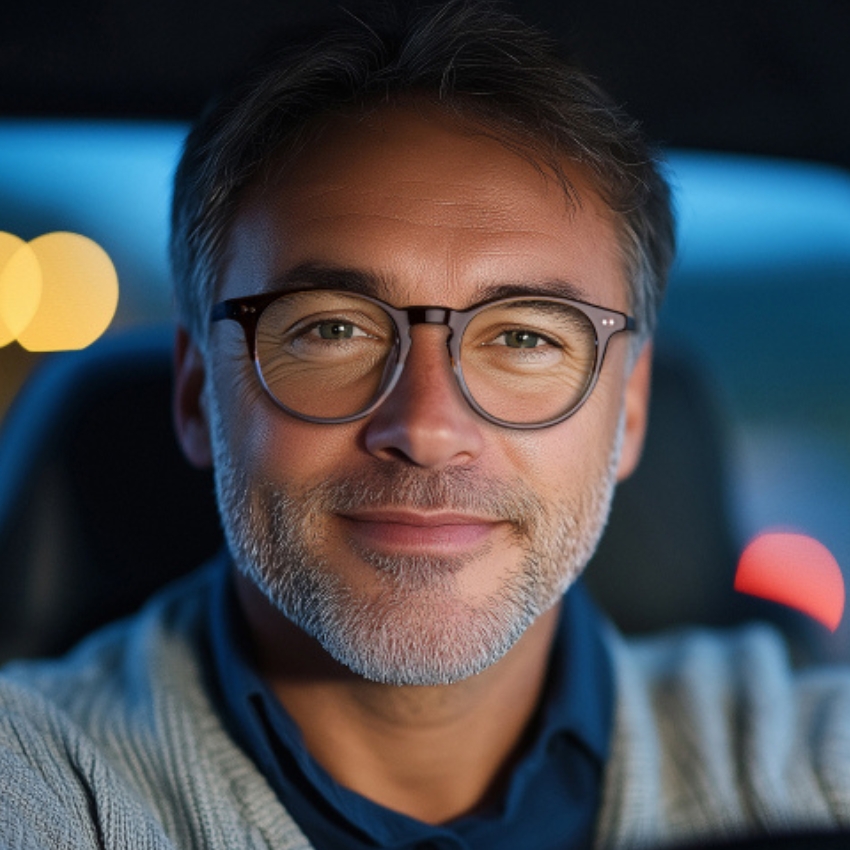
414, 532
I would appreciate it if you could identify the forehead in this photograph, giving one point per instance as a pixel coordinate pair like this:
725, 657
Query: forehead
430, 207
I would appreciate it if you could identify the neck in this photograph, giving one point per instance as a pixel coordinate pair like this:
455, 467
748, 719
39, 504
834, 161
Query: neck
434, 753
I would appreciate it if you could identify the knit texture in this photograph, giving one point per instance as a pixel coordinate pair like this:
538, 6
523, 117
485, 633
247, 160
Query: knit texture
716, 736
120, 744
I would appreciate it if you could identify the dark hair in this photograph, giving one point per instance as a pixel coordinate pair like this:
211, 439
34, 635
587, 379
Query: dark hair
470, 57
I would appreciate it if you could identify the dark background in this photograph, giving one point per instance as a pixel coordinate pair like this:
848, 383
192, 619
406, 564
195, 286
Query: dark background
761, 76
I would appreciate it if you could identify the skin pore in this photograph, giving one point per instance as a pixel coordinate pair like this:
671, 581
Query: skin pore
419, 554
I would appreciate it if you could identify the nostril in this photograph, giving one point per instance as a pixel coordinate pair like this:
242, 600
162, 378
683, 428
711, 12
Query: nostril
395, 453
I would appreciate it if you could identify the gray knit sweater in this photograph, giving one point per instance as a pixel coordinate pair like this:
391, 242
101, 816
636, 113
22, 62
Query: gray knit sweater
120, 745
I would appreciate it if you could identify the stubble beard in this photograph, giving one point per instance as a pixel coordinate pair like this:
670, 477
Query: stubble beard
414, 629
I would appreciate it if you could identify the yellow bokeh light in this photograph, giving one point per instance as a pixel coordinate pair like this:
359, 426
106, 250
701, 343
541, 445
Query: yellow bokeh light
79, 293
20, 286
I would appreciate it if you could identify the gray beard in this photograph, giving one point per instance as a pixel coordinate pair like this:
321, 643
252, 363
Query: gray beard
415, 630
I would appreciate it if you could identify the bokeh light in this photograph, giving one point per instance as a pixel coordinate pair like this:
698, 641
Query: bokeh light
58, 292
20, 286
796, 570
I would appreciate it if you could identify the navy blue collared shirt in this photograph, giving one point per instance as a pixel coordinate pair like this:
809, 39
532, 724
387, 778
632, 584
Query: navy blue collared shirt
551, 800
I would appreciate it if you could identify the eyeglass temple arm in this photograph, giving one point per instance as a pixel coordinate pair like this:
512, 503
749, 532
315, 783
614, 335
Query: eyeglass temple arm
246, 314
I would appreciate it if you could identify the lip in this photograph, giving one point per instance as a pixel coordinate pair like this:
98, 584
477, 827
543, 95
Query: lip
413, 531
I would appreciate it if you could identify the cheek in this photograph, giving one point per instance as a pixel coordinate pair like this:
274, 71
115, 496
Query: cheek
304, 452
559, 461
276, 447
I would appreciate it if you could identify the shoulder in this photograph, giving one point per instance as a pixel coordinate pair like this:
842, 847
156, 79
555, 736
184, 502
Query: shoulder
122, 738
716, 733
127, 658
737, 683
69, 726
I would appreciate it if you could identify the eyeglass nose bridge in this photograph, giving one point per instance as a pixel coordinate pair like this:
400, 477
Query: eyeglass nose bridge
429, 316
405, 319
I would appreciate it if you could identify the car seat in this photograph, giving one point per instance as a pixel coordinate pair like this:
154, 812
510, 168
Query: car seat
98, 508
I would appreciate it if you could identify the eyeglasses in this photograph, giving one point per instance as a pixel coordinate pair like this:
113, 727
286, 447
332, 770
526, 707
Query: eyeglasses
329, 356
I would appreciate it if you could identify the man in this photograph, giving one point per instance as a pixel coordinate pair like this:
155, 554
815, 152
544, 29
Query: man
417, 276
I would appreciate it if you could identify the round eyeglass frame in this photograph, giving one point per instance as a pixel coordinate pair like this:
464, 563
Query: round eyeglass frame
246, 311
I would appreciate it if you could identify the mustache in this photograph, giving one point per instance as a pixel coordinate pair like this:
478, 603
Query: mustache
457, 489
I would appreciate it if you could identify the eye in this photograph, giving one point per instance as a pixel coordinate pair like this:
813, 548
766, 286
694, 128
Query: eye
521, 338
317, 331
338, 329
332, 337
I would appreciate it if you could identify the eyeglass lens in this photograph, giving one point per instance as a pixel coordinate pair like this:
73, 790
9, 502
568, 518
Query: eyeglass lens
330, 355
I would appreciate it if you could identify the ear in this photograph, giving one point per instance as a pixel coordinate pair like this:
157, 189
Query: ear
191, 421
636, 412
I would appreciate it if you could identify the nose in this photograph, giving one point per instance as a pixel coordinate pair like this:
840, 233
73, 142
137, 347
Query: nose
425, 420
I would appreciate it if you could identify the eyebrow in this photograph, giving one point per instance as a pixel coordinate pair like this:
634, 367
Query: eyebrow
558, 287
312, 275
317, 276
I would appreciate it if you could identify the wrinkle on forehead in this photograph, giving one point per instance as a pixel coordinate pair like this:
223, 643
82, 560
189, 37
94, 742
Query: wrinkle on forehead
499, 204
343, 136
469, 217
312, 275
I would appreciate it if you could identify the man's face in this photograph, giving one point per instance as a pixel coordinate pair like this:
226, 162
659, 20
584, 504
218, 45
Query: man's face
417, 544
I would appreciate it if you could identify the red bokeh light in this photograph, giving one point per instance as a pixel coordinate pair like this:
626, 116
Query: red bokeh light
795, 570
